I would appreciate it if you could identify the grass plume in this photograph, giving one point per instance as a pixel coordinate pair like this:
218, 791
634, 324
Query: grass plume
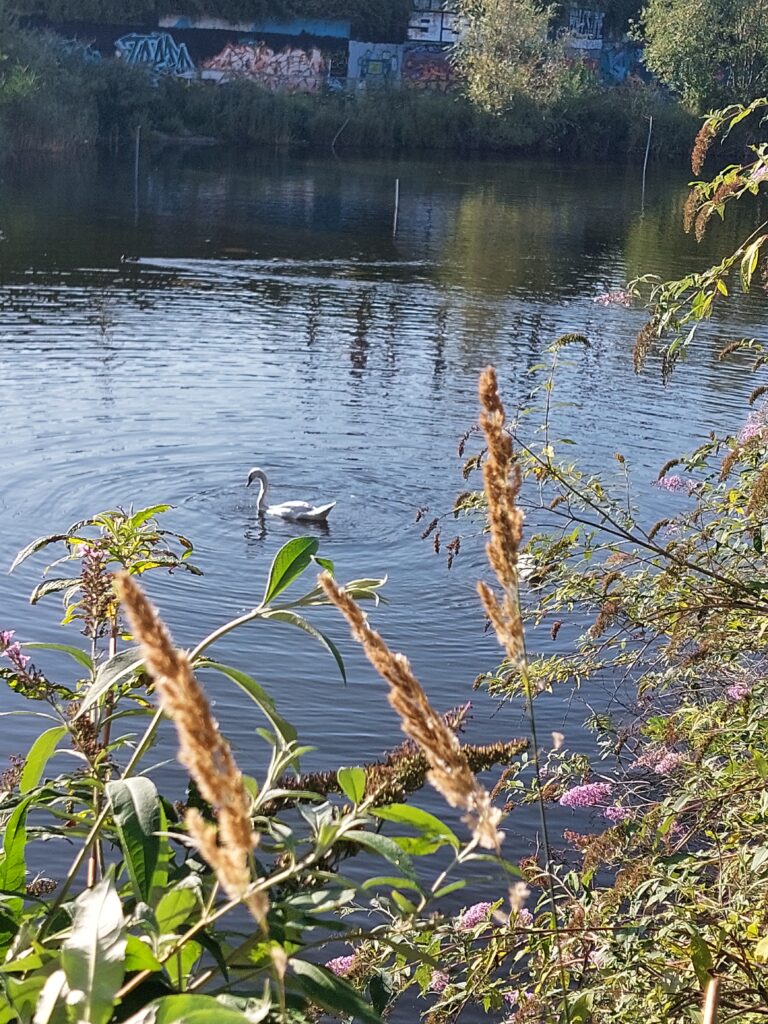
449, 770
227, 847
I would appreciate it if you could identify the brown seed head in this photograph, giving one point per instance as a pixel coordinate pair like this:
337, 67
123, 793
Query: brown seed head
202, 749
449, 770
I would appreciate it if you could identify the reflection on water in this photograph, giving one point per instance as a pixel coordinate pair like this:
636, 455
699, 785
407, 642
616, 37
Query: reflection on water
264, 314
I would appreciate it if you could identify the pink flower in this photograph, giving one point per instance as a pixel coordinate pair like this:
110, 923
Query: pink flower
617, 814
523, 918
6, 636
676, 483
668, 764
473, 916
13, 653
739, 691
438, 982
586, 796
341, 965
618, 298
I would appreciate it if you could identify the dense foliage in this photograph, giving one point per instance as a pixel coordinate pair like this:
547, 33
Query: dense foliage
679, 308
709, 51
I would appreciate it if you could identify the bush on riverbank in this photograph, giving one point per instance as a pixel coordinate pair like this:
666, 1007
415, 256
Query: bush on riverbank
53, 98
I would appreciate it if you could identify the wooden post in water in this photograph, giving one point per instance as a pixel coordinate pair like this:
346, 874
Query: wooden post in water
137, 154
645, 162
397, 206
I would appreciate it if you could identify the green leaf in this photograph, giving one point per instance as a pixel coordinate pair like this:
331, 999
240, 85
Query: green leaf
289, 562
175, 907
139, 957
701, 958
13, 867
50, 1007
136, 809
352, 782
140, 517
74, 652
258, 695
284, 615
381, 989
180, 966
331, 993
52, 587
109, 674
38, 757
93, 955
195, 1009
34, 546
384, 847
423, 821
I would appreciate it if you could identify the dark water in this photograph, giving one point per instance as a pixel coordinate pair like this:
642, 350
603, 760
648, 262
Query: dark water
274, 320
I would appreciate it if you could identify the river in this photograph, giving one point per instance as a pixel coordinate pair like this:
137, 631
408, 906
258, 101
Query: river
267, 314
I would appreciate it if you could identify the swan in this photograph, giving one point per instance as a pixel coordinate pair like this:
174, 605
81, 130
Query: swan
299, 510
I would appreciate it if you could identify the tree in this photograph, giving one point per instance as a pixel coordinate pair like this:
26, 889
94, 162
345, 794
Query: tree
709, 51
506, 52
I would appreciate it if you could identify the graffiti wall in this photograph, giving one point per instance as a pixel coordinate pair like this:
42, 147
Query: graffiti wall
291, 69
158, 50
428, 68
434, 21
374, 65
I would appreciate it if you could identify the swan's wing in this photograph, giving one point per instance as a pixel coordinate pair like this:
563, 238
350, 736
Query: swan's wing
320, 512
290, 508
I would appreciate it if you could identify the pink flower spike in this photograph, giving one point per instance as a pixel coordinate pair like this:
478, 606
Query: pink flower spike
739, 691
473, 916
586, 796
674, 483
617, 814
6, 636
668, 764
341, 965
438, 982
13, 653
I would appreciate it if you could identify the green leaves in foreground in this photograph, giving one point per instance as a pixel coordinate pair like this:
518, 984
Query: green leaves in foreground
93, 956
289, 562
138, 819
334, 994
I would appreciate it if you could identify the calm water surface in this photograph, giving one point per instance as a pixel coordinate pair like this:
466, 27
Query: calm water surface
273, 319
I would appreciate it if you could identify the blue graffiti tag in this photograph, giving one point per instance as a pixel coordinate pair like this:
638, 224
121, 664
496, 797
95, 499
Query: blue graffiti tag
158, 49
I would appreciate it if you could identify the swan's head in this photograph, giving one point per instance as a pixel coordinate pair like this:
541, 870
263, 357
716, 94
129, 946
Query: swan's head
256, 474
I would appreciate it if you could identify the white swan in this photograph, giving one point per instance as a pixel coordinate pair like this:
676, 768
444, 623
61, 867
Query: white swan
299, 510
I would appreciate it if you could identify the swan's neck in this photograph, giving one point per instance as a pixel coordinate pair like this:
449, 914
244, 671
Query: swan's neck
261, 501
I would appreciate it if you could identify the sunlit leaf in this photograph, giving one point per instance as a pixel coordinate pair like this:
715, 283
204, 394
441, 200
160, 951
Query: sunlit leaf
135, 806
93, 954
38, 757
289, 562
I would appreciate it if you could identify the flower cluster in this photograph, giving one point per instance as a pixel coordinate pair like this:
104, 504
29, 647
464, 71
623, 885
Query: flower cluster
438, 982
473, 916
739, 691
754, 427
668, 764
676, 483
523, 918
11, 650
617, 814
341, 965
586, 796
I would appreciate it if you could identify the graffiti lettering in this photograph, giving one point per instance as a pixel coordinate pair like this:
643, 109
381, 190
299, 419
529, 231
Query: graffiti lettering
157, 49
291, 70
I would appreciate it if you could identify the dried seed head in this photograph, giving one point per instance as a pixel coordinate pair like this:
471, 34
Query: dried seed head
449, 770
202, 750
